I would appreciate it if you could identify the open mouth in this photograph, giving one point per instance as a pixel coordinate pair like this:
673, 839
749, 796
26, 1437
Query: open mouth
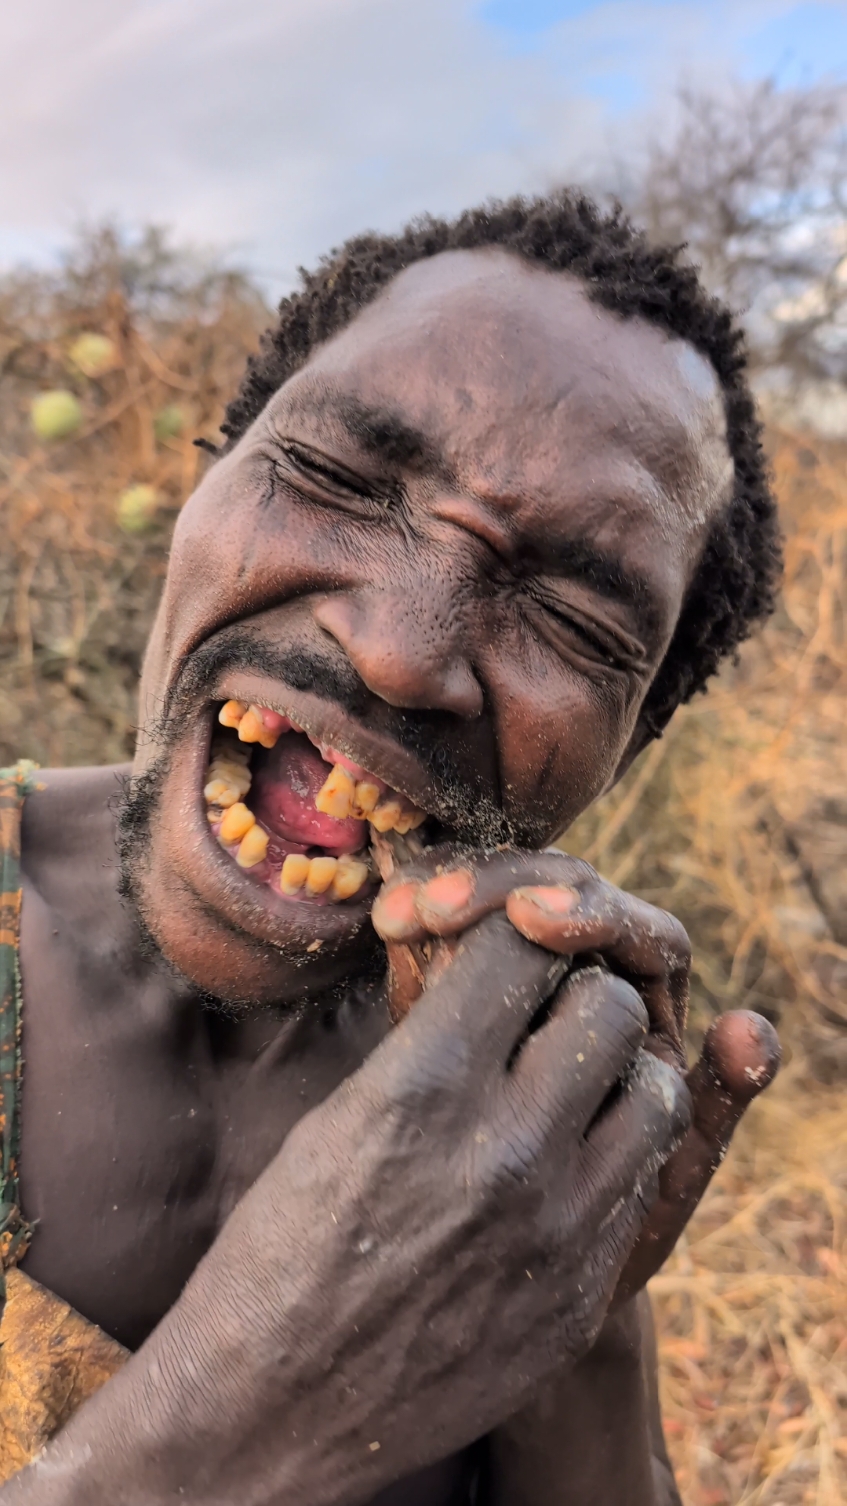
293, 813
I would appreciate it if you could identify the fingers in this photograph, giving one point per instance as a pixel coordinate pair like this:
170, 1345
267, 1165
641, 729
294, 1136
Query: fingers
561, 904
638, 1132
645, 945
486, 995
741, 1056
595, 1030
617, 1181
465, 886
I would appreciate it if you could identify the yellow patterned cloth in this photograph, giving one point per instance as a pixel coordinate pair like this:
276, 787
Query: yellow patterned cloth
51, 1361
51, 1358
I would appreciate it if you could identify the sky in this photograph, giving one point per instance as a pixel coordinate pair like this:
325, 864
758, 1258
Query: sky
272, 129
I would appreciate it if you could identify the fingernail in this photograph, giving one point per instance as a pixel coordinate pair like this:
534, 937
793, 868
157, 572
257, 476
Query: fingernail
447, 894
555, 900
394, 912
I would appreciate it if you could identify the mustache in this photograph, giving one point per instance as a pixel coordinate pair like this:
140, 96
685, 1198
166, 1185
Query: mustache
237, 648
474, 813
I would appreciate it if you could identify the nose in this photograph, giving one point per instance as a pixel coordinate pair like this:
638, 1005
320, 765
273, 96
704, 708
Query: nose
405, 648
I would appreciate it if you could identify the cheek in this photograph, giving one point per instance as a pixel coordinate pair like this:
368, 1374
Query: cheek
561, 736
235, 553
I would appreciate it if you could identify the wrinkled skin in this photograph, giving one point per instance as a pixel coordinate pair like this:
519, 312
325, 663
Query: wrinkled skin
455, 546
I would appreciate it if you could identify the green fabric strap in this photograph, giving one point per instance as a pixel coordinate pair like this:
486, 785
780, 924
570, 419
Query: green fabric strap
15, 1233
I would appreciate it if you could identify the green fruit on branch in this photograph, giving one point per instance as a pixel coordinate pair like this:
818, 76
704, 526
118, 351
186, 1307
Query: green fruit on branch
93, 354
136, 508
168, 423
55, 415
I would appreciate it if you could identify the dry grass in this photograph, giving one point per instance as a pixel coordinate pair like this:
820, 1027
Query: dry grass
752, 1313
737, 821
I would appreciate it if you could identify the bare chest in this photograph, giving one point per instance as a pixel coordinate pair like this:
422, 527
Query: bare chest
145, 1119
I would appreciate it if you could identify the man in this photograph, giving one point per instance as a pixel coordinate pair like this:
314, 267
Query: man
492, 504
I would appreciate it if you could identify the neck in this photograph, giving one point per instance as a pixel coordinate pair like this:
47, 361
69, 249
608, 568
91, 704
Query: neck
70, 859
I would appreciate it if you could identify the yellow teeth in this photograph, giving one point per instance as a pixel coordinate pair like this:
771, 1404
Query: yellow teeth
340, 797
365, 798
350, 874
221, 792
237, 821
247, 722
251, 728
253, 848
386, 815
234, 774
321, 874
396, 814
227, 778
410, 820
295, 871
336, 795
340, 877
231, 713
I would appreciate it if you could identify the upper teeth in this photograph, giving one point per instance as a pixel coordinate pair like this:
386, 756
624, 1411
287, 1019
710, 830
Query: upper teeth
341, 797
228, 776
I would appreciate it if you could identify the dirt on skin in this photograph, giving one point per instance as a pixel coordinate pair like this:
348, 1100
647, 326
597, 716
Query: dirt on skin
736, 820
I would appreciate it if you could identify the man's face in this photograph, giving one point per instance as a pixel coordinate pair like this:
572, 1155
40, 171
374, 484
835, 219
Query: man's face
454, 547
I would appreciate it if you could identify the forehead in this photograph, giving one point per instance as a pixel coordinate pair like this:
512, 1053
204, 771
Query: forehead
526, 389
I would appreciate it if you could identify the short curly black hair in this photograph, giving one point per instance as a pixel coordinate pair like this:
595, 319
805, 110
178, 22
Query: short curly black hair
736, 581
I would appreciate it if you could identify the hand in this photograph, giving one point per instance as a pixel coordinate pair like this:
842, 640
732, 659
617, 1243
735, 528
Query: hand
441, 1234
562, 904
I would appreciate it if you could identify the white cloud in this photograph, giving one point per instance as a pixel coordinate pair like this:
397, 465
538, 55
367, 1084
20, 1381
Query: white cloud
277, 127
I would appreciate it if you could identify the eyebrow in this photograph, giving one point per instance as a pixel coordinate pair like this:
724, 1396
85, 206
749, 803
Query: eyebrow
379, 431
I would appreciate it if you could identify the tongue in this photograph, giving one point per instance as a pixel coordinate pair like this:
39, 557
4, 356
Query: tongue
286, 779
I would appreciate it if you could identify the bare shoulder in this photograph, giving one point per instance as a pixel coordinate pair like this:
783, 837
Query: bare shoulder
72, 912
113, 1114
70, 818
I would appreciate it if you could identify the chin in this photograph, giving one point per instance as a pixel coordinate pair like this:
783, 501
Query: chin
251, 850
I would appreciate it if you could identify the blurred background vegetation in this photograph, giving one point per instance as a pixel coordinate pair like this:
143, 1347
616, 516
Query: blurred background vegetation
736, 820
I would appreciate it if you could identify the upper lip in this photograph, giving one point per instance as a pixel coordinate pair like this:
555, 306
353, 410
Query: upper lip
325, 722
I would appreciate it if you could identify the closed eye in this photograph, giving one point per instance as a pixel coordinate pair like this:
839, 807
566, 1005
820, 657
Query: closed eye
330, 482
568, 629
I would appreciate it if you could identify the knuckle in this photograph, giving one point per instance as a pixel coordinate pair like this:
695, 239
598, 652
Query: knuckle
562, 868
420, 1071
585, 878
610, 1006
667, 1099
674, 940
505, 962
